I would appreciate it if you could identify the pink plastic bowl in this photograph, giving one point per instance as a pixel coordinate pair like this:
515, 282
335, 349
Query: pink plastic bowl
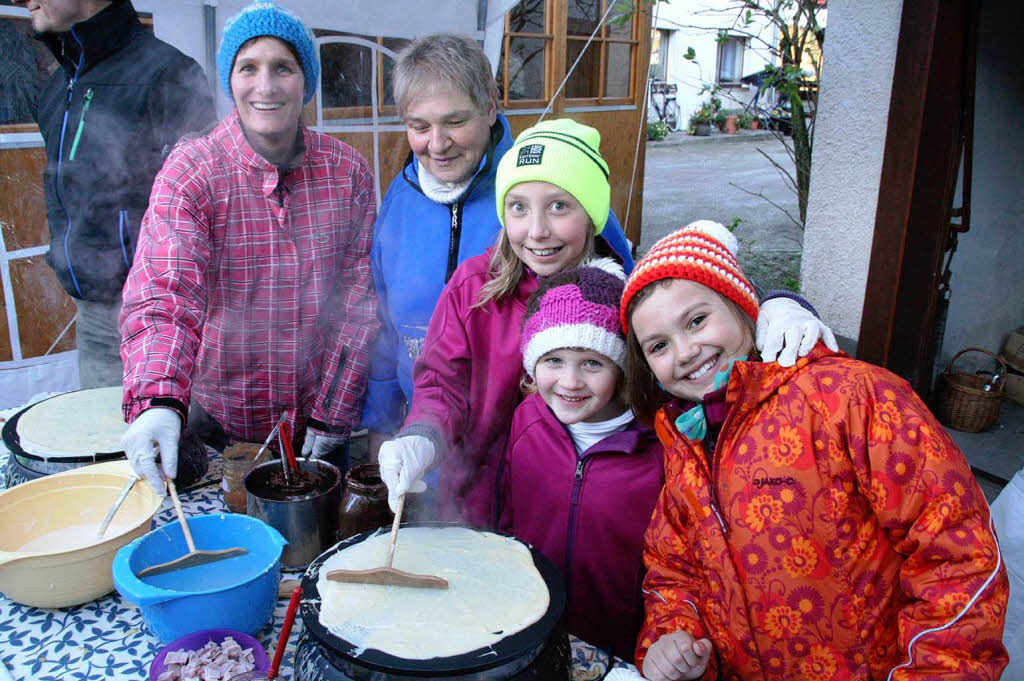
197, 640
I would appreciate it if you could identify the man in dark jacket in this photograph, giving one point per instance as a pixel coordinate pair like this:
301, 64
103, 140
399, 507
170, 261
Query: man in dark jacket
118, 100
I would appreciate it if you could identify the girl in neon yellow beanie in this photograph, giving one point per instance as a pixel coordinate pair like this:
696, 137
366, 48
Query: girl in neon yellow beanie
552, 200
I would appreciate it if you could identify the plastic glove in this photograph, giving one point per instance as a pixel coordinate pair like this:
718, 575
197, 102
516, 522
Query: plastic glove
623, 674
785, 330
403, 461
156, 431
318, 444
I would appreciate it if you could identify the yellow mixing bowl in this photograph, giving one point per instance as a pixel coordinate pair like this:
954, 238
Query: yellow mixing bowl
71, 567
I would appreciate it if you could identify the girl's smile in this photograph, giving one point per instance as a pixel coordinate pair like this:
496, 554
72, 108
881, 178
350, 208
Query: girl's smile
579, 385
688, 333
546, 226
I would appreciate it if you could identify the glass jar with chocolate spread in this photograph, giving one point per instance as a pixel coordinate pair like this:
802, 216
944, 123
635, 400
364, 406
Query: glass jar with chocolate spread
364, 501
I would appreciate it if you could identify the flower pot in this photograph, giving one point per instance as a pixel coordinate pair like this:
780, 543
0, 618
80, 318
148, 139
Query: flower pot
755, 124
731, 127
702, 129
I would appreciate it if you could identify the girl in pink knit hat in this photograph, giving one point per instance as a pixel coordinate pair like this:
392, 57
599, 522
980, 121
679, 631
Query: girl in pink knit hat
816, 521
580, 475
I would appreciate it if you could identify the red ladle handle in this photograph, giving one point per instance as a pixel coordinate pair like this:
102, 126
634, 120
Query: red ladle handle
289, 451
286, 630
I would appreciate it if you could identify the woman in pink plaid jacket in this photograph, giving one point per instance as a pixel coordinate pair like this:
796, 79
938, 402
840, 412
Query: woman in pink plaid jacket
251, 290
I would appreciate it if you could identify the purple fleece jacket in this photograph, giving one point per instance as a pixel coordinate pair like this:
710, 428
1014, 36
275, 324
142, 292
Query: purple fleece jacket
466, 388
587, 513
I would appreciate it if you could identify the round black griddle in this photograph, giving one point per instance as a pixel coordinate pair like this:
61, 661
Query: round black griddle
13, 441
23, 466
514, 651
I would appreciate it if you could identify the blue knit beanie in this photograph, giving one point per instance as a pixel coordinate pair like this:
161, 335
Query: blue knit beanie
262, 18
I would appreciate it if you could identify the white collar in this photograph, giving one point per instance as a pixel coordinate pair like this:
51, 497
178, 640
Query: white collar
438, 191
585, 435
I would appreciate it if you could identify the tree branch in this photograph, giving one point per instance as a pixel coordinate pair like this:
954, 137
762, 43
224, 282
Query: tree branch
785, 174
761, 195
770, 47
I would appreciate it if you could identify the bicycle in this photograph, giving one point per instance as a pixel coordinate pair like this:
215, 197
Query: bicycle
668, 111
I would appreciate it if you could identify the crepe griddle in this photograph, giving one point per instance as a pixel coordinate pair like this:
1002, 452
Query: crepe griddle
523, 644
24, 465
12, 438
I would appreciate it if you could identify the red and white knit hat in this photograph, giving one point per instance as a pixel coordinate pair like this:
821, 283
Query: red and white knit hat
704, 252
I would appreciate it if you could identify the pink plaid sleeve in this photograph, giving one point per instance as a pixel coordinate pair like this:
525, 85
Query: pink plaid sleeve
353, 308
165, 294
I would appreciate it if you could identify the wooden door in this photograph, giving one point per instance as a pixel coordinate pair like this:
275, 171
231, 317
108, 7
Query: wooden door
928, 137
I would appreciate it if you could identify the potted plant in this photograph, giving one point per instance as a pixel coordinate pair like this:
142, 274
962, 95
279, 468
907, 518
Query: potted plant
700, 121
719, 120
657, 130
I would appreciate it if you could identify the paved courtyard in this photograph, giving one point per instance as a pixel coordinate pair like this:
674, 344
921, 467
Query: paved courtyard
690, 178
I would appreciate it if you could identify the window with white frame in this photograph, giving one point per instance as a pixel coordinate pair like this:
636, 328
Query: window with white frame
730, 59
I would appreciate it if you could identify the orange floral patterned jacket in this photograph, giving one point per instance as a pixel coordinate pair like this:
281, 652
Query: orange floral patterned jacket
837, 533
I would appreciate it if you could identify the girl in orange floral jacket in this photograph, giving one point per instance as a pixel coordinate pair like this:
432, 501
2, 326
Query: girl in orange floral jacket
816, 521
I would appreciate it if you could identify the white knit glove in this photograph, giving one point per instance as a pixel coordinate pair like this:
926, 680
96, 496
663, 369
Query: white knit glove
624, 674
403, 461
318, 444
785, 329
155, 431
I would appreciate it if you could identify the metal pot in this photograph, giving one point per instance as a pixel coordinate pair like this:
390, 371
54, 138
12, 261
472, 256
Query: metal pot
309, 521
499, 662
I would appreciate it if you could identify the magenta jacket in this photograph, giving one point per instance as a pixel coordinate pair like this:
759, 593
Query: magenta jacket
466, 388
588, 514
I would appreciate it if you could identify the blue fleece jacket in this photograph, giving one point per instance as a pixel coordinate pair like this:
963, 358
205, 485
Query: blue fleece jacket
416, 247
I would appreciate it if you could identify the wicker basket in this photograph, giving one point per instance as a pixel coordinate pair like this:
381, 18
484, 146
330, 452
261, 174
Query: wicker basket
960, 402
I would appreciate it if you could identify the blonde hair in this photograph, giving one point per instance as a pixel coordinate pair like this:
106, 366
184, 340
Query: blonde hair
644, 394
506, 269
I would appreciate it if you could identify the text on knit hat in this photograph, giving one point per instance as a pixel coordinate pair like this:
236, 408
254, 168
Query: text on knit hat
564, 153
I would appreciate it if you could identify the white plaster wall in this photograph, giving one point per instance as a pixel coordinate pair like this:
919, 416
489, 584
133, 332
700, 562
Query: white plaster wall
853, 107
987, 286
695, 23
179, 23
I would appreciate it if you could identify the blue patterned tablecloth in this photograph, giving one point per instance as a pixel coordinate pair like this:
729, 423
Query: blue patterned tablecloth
107, 638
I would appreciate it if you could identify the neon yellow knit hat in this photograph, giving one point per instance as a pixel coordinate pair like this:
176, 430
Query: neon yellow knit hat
563, 153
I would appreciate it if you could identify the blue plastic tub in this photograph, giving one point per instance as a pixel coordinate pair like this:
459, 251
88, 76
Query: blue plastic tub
237, 593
